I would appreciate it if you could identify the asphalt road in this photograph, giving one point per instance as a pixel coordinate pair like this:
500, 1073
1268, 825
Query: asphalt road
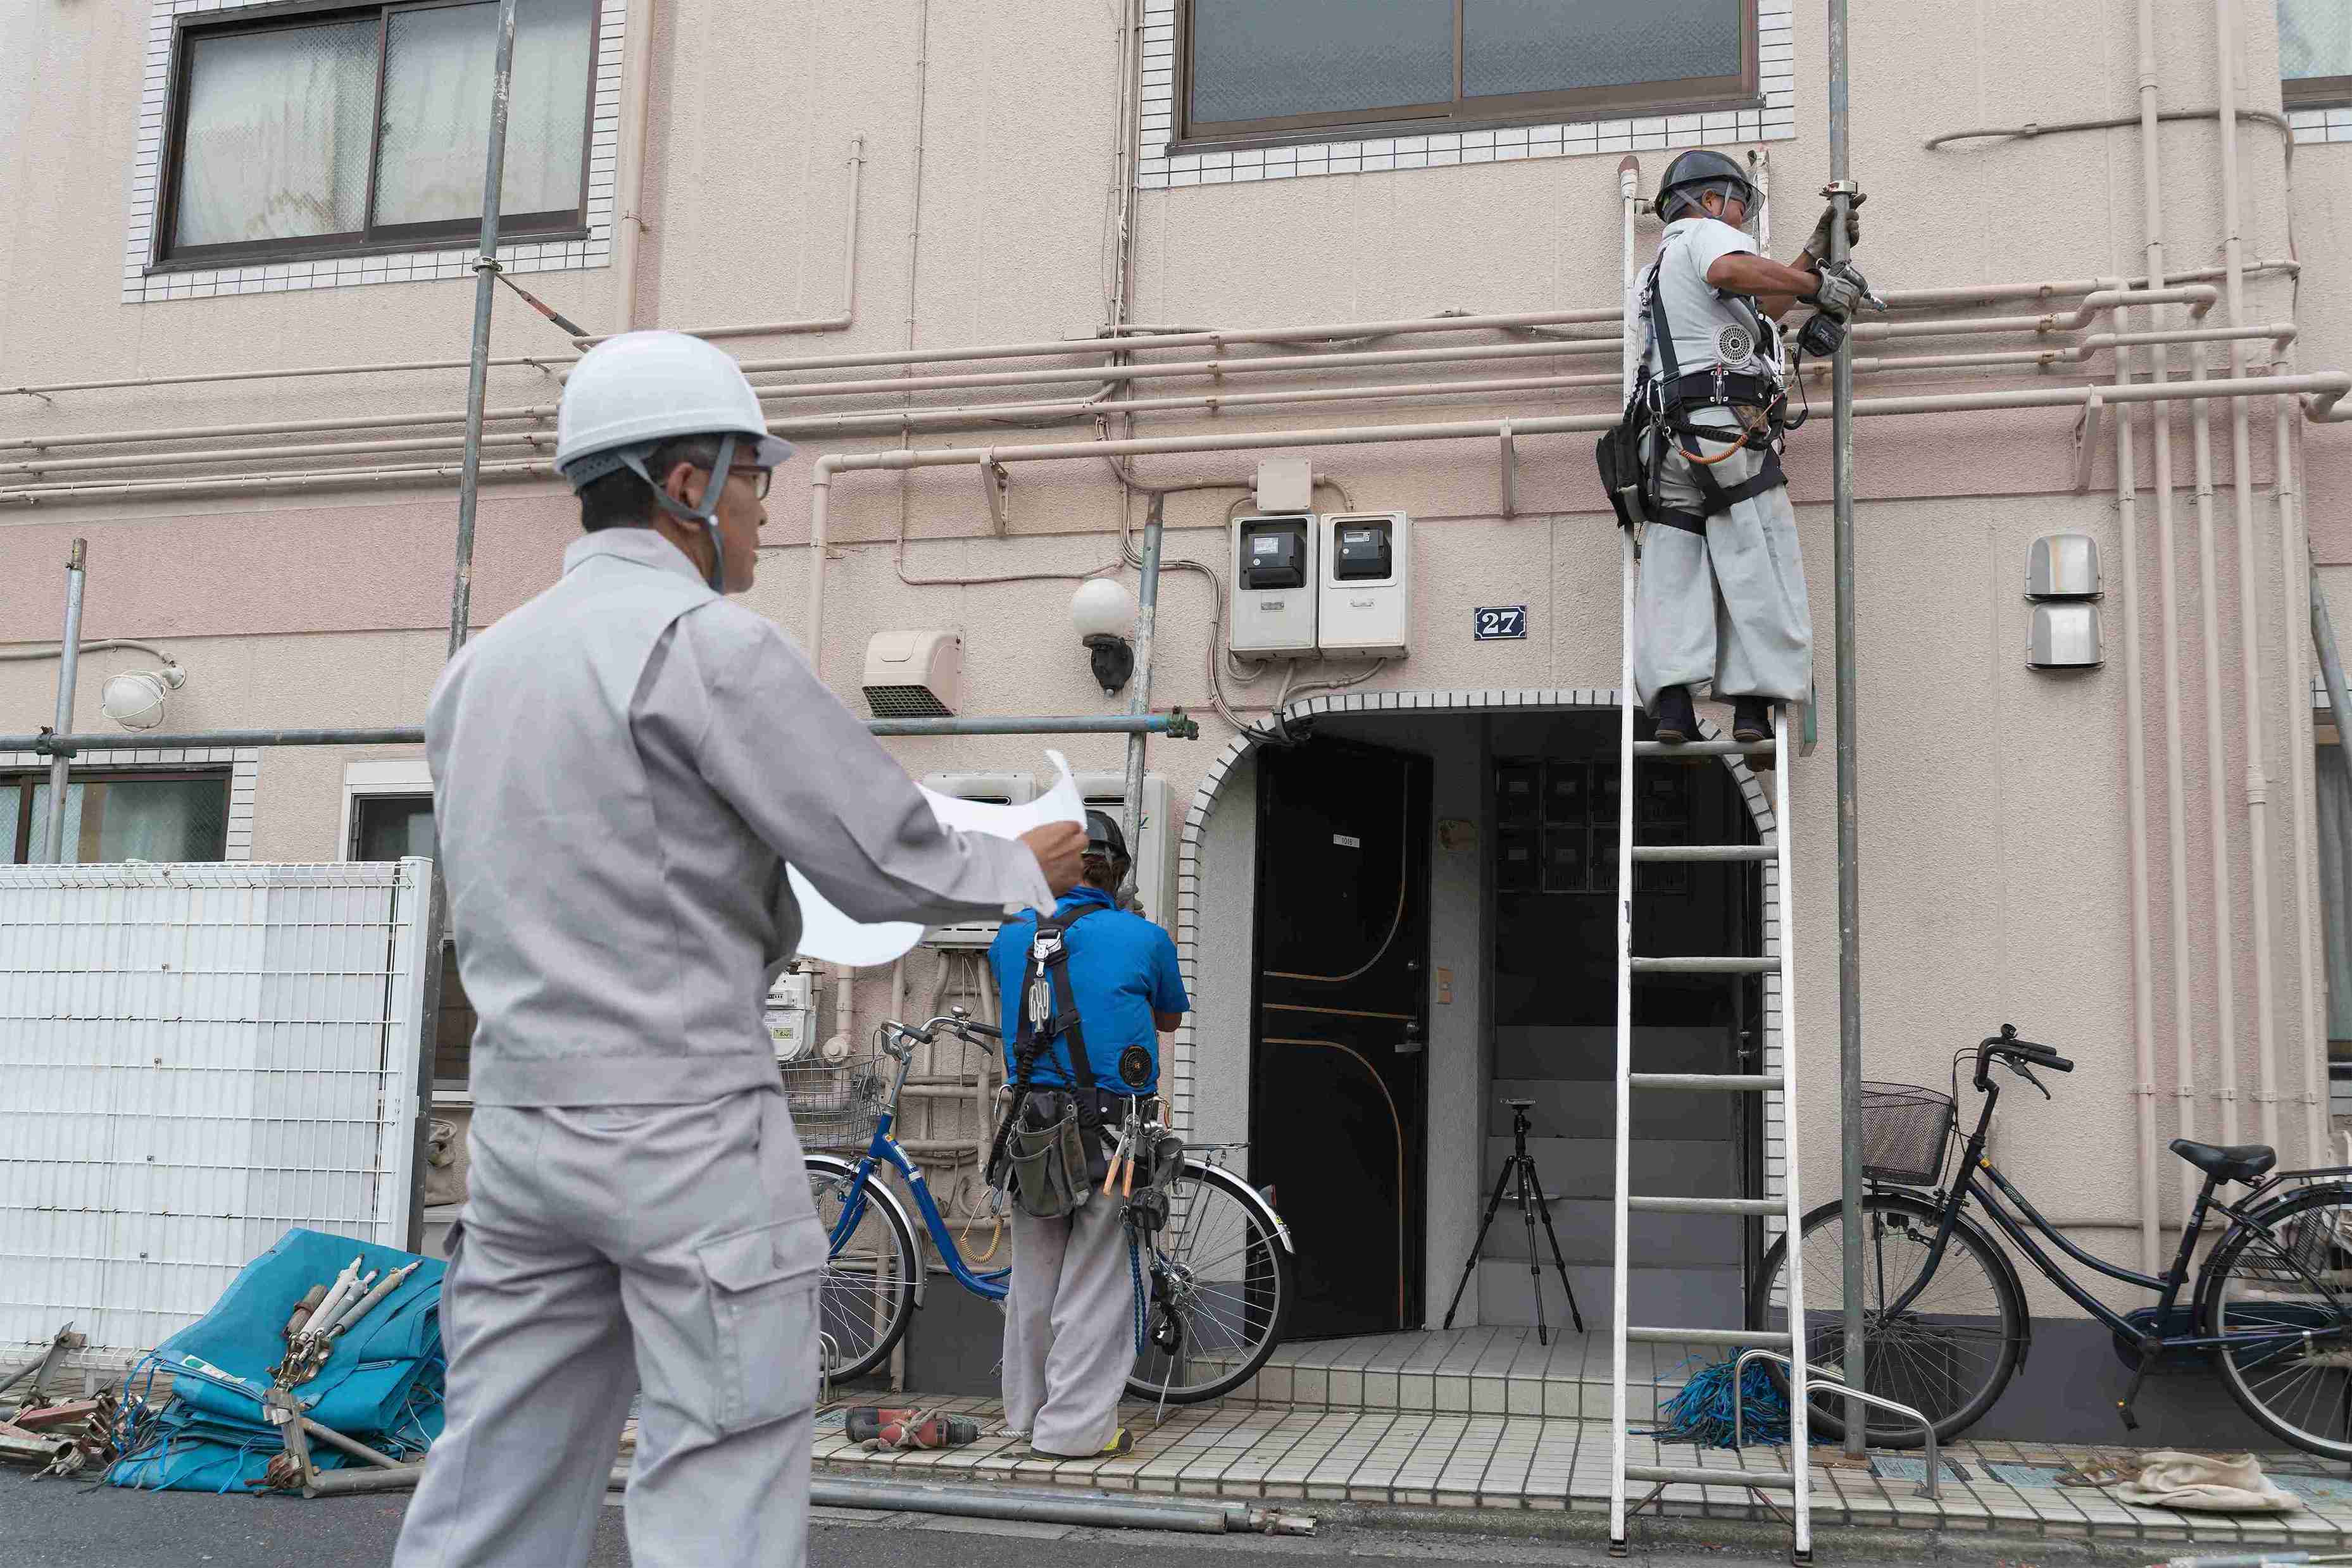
54, 1525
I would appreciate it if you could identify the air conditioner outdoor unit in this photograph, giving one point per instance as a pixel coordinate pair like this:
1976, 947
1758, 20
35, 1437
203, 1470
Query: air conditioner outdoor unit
996, 790
914, 675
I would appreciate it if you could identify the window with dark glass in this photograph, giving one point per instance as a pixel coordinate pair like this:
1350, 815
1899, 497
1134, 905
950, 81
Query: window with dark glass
1254, 68
2315, 52
117, 817
391, 828
308, 130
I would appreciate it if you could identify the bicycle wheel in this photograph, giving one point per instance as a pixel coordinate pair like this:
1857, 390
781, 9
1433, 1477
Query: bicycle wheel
1217, 1280
2281, 1289
1948, 1353
866, 1293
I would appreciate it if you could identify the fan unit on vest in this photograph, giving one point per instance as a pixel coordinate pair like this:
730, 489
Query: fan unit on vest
914, 675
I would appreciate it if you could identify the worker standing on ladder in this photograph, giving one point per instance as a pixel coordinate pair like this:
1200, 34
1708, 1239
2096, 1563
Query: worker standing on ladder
1722, 592
1114, 988
622, 770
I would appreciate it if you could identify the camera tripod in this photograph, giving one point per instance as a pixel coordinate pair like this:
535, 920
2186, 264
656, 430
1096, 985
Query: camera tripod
1520, 1170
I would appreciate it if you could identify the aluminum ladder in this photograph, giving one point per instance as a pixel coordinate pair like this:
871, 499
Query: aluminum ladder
1625, 1202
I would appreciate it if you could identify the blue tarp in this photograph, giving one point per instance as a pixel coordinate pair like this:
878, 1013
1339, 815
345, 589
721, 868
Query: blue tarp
381, 1384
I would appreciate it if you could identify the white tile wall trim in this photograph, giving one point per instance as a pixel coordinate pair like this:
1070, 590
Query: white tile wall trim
2312, 125
142, 285
244, 773
1205, 802
1372, 153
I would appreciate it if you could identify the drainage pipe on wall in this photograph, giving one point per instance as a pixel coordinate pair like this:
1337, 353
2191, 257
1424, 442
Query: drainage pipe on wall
2176, 808
2252, 587
2223, 911
2135, 793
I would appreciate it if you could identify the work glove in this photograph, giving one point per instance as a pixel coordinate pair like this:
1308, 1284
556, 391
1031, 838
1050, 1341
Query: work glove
1818, 244
1840, 289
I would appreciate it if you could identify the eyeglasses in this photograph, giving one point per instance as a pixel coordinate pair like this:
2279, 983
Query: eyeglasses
761, 479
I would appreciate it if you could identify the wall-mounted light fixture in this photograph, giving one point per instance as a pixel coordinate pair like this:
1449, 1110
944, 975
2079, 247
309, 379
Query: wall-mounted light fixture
135, 699
1104, 612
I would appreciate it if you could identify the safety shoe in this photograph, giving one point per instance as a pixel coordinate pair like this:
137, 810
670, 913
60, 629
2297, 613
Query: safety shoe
1121, 1442
1677, 721
1751, 720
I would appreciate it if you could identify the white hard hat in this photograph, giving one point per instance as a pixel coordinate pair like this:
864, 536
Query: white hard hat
632, 391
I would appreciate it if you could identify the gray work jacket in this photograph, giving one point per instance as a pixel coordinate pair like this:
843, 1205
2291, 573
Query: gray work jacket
620, 769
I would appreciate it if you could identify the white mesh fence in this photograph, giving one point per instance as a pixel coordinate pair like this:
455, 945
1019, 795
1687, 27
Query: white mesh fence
194, 1057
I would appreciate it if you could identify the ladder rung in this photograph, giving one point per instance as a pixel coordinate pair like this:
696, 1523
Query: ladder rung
1771, 1339
1779, 1479
1706, 965
1703, 748
1728, 1082
1704, 851
1706, 1205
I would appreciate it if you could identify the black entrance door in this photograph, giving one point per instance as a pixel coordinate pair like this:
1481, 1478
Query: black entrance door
1338, 1079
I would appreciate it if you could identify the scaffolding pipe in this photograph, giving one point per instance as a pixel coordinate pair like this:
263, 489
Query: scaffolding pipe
478, 379
2136, 797
1175, 723
53, 846
1139, 699
2302, 744
1849, 758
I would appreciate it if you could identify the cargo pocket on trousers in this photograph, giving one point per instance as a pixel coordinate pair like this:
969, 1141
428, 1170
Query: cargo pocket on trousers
762, 1287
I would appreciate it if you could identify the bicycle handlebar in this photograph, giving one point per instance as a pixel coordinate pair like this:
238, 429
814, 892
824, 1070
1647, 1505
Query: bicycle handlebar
2007, 1043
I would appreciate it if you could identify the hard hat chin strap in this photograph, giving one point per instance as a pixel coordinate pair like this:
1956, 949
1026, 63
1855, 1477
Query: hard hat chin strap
705, 514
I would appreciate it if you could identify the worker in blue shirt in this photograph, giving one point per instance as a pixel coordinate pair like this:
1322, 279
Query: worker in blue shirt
1069, 1319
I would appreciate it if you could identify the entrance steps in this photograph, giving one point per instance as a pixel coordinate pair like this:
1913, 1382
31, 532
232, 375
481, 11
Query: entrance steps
1498, 1371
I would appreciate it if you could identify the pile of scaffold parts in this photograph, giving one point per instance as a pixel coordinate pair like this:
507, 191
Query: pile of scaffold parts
55, 1435
319, 1366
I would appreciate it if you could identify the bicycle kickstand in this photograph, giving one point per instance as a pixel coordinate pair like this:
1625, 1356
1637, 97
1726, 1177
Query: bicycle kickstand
2147, 1354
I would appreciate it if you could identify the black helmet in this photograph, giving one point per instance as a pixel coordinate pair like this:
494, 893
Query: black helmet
1103, 837
1697, 171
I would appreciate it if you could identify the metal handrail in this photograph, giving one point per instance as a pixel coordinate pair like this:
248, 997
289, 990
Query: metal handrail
1825, 1384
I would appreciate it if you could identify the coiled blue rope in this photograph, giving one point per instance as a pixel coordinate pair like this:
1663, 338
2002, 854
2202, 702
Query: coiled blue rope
1702, 1412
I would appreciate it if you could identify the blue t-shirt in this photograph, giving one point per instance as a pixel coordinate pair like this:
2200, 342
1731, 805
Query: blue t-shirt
1123, 969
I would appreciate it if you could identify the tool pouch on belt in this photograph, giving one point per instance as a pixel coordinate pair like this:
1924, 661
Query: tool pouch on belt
1049, 1147
1624, 468
1047, 1156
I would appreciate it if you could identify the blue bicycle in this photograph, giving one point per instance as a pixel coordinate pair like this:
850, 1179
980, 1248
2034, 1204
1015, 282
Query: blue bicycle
1213, 1284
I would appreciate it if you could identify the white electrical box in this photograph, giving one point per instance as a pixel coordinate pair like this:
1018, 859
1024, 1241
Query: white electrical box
995, 789
791, 1014
1153, 845
1366, 585
1273, 586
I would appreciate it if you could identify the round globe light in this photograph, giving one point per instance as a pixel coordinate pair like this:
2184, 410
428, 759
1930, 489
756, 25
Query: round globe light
1102, 607
135, 699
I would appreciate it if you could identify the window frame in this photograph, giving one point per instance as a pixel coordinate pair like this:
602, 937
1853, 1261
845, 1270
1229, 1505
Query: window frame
164, 255
1687, 95
25, 780
2316, 92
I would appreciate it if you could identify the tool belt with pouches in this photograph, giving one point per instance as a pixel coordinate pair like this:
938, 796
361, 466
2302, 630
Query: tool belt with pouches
1632, 453
1049, 1147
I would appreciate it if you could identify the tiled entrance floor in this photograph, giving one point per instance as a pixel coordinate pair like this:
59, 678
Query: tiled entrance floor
1486, 1419
1477, 1371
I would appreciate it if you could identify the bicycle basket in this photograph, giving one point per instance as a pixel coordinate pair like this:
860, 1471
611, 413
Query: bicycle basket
837, 1106
1905, 1133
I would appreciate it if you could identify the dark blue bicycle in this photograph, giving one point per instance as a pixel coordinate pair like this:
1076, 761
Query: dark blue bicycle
1214, 1281
1944, 1316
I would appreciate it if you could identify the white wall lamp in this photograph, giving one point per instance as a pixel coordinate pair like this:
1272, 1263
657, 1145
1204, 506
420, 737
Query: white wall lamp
1104, 612
135, 698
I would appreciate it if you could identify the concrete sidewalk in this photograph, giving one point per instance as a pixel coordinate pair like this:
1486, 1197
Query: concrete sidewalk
1376, 1459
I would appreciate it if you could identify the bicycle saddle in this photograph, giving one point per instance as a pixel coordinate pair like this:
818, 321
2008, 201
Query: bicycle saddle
2239, 1162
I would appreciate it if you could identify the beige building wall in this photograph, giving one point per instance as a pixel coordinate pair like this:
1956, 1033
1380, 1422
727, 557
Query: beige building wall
1996, 864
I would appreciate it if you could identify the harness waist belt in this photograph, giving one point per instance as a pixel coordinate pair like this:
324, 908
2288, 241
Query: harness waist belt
1699, 388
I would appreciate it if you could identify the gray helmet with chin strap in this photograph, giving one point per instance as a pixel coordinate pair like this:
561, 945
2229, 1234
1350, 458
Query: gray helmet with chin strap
1695, 173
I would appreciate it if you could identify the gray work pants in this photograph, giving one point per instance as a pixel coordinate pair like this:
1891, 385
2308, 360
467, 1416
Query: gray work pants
1069, 1329
605, 1250
1726, 607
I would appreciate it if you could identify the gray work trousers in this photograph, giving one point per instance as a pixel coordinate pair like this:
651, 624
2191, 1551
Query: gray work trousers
1069, 1329
605, 1250
1726, 607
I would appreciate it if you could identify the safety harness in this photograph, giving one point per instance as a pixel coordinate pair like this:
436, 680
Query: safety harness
1049, 1014
1662, 404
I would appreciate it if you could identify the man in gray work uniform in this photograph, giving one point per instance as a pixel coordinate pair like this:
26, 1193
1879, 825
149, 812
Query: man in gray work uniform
622, 767
1722, 591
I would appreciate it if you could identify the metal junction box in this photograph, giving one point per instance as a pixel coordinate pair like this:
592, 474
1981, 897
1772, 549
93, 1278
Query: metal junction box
1273, 562
1366, 608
